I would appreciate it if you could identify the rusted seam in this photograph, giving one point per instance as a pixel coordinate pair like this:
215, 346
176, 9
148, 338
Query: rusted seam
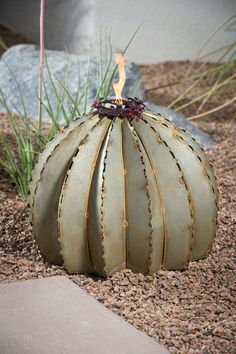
147, 188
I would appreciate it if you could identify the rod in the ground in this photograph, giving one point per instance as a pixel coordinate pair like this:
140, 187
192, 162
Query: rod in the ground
41, 62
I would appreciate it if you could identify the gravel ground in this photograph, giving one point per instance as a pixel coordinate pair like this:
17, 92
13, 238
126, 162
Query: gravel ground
190, 311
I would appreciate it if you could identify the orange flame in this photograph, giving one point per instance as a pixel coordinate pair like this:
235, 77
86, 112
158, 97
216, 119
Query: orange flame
118, 86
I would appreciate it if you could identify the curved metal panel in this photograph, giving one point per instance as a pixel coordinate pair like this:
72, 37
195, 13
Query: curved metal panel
157, 221
45, 154
95, 227
187, 139
199, 185
106, 206
175, 196
73, 206
113, 210
47, 193
139, 228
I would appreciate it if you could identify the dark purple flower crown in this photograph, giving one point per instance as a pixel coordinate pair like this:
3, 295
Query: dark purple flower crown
131, 108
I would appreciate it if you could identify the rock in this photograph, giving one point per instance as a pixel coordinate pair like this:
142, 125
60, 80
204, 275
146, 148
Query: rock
179, 119
22, 62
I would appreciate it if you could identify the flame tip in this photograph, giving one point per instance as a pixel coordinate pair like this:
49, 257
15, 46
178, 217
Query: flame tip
118, 86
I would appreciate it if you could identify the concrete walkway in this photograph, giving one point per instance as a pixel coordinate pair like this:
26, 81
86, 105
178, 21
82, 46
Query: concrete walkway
54, 316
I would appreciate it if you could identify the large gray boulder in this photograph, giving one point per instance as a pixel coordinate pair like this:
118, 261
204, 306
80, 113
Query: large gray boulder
21, 63
179, 119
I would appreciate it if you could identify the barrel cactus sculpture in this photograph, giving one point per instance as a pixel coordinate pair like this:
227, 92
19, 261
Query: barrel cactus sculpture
123, 187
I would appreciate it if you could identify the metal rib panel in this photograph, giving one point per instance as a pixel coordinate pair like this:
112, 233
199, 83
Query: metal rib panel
47, 193
178, 216
95, 227
106, 206
199, 185
50, 146
114, 230
187, 139
157, 220
73, 207
139, 228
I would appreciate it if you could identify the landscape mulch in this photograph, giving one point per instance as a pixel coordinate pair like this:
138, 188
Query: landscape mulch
191, 311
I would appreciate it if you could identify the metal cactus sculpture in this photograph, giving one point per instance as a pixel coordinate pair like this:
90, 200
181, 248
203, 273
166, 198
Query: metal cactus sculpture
123, 187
